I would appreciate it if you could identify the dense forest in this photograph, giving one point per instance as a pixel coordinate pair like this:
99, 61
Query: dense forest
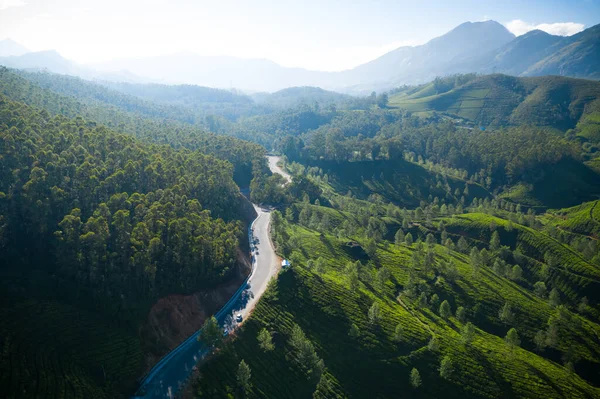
163, 124
102, 212
125, 220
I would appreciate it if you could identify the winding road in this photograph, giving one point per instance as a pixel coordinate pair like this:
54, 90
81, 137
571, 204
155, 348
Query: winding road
276, 169
173, 371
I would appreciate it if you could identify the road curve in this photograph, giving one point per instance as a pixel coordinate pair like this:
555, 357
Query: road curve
173, 371
273, 159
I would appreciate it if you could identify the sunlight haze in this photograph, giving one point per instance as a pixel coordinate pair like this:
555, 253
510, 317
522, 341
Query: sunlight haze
317, 35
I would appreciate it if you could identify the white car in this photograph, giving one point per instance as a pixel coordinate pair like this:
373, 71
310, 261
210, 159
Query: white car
238, 317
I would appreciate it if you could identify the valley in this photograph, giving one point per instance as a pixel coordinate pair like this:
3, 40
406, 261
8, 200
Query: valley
187, 218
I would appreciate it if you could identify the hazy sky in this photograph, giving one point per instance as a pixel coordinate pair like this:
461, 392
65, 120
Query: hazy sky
313, 34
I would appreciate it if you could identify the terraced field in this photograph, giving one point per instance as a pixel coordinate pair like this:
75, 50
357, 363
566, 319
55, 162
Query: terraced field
467, 104
574, 276
56, 351
581, 219
374, 364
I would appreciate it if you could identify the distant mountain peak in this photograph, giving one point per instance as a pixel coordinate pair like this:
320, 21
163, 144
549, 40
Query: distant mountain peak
10, 48
471, 47
535, 32
487, 27
489, 22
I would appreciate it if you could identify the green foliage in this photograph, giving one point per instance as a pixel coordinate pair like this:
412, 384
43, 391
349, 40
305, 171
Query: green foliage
495, 241
506, 314
554, 297
512, 339
243, 376
446, 368
265, 341
211, 334
129, 221
326, 308
50, 349
163, 124
354, 331
468, 333
445, 310
415, 378
433, 345
73, 214
566, 270
374, 313
461, 314
408, 239
398, 333
305, 354
582, 219
540, 289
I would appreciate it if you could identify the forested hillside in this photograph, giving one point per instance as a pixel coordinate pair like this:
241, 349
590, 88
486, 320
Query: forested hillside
107, 204
532, 165
164, 124
432, 301
113, 221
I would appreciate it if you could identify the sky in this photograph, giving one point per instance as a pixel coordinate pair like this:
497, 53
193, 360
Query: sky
326, 35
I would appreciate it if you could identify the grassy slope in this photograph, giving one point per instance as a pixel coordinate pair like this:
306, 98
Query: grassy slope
373, 365
581, 219
501, 100
575, 277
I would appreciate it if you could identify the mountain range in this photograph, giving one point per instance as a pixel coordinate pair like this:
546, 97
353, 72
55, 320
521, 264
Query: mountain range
10, 48
480, 47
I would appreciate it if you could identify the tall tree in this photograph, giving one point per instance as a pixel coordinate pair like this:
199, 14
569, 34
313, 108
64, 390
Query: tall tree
212, 334
468, 333
495, 241
446, 368
445, 310
374, 313
506, 314
243, 376
415, 378
265, 341
512, 339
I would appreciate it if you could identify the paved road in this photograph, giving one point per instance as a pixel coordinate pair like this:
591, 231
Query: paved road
276, 169
172, 372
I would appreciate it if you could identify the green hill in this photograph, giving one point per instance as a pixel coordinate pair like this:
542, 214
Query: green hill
296, 96
581, 219
372, 356
160, 123
499, 100
575, 276
94, 225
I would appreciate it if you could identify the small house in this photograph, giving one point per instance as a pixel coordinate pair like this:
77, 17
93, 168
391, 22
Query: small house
285, 263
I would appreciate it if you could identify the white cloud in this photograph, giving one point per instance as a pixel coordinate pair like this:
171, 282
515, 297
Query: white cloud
4, 4
519, 27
